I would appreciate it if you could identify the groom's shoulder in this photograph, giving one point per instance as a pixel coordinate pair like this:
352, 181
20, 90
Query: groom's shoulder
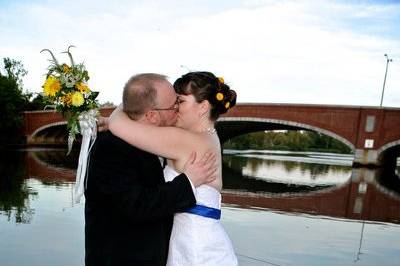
107, 141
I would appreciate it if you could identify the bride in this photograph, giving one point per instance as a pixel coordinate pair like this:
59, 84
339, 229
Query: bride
197, 236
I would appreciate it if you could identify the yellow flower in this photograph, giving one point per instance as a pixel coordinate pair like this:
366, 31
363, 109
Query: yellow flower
221, 80
227, 105
51, 86
77, 99
67, 99
82, 87
66, 68
219, 96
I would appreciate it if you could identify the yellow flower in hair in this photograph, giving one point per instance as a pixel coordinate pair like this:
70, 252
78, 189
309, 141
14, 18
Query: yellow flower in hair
221, 80
77, 99
51, 86
219, 96
227, 105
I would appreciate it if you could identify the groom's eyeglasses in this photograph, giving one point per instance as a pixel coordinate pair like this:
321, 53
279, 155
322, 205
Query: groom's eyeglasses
174, 107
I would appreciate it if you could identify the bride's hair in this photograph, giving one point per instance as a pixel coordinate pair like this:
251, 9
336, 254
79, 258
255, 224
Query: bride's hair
206, 86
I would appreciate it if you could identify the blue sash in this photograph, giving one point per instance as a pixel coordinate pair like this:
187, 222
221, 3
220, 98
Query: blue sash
205, 211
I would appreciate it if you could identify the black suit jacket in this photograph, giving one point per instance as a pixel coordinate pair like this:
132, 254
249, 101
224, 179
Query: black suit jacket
129, 207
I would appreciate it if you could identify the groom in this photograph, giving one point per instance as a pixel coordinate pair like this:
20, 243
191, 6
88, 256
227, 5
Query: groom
129, 208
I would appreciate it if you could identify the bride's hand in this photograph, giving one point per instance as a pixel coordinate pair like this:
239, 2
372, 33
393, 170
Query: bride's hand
102, 123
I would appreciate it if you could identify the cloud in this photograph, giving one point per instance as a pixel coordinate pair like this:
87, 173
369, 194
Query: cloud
268, 51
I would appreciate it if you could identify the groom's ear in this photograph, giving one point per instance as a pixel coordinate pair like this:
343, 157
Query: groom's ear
152, 117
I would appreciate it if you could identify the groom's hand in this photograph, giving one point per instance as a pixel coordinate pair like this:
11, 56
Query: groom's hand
203, 171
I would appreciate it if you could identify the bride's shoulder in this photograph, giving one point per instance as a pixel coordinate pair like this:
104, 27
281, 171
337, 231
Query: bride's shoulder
209, 143
206, 139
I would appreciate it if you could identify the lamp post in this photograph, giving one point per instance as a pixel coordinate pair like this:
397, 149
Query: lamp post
384, 80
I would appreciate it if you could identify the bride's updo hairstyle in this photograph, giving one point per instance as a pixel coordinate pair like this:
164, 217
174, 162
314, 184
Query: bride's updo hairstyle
206, 86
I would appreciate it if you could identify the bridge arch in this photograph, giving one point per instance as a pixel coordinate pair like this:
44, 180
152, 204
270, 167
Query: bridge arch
287, 124
389, 153
354, 126
50, 134
388, 146
61, 123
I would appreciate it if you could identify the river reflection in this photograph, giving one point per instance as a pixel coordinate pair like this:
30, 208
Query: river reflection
279, 209
292, 169
15, 193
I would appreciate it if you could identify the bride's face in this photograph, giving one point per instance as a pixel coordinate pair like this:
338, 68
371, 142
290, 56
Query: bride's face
189, 112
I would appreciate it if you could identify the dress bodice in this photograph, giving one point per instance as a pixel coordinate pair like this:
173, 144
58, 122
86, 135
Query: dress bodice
205, 195
198, 240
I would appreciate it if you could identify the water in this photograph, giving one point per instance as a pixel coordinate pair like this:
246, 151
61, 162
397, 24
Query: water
52, 232
279, 209
307, 168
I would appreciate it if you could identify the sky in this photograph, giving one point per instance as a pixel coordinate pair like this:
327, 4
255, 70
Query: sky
287, 51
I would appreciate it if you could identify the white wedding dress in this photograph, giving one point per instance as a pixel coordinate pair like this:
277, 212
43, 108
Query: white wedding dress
197, 240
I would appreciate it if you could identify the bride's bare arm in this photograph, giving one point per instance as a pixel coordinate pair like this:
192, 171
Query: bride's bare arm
170, 142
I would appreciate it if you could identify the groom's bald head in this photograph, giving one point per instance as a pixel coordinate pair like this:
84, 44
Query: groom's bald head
140, 93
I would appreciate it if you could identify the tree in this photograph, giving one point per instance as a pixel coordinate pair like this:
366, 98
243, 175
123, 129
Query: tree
15, 71
12, 100
290, 140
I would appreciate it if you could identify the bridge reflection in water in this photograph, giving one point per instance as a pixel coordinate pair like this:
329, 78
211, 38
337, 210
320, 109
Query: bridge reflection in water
361, 197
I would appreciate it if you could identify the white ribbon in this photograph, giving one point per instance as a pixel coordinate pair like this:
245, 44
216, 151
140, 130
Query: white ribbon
88, 128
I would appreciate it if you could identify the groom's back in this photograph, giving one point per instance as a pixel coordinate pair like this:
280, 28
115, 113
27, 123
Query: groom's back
115, 232
114, 161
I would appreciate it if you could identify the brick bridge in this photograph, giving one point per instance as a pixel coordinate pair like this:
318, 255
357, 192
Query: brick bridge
359, 198
372, 133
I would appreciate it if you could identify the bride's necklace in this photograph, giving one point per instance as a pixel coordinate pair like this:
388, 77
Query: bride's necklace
210, 130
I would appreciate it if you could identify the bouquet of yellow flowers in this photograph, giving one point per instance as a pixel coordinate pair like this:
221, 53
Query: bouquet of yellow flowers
66, 87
